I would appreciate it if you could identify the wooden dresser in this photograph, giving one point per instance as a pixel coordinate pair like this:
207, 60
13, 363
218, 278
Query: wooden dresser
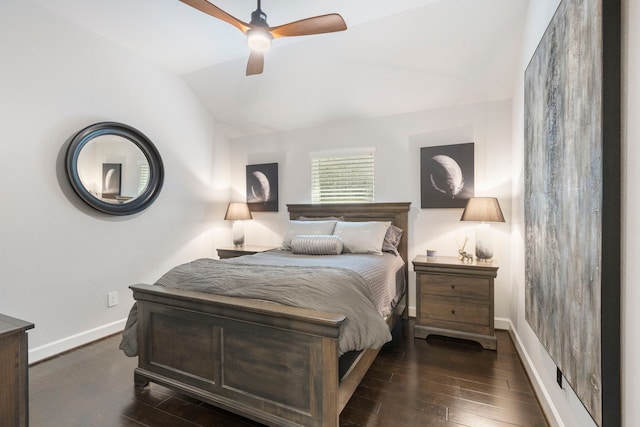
455, 299
14, 388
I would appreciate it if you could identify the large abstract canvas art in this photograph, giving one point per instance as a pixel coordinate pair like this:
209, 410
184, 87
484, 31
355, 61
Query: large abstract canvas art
572, 200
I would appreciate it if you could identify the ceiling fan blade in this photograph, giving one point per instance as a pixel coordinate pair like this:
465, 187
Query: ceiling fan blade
256, 63
316, 25
216, 12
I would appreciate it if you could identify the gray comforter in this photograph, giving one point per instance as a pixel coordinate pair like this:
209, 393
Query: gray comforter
334, 290
384, 273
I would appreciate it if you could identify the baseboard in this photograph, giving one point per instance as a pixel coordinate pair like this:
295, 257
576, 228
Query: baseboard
501, 323
540, 390
65, 344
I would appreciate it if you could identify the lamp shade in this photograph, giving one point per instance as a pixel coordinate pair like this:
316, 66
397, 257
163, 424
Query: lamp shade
485, 209
238, 211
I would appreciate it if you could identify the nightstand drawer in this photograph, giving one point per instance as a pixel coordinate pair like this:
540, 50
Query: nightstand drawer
454, 311
452, 286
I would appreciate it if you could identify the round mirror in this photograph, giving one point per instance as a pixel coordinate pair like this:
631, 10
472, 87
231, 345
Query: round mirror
114, 168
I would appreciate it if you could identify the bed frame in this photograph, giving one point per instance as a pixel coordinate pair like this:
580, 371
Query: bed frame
275, 364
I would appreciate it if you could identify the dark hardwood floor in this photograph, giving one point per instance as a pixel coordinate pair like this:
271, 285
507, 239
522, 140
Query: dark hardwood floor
433, 382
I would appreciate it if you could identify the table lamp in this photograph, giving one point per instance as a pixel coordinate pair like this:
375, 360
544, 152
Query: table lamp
238, 212
483, 209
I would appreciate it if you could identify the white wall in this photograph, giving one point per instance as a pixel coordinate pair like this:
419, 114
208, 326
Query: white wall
397, 140
563, 406
630, 207
58, 259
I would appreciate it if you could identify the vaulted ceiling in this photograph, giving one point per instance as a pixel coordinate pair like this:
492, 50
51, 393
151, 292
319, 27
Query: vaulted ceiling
397, 56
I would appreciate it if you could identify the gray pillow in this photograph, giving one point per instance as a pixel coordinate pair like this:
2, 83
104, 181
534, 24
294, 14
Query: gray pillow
392, 240
362, 237
296, 228
316, 244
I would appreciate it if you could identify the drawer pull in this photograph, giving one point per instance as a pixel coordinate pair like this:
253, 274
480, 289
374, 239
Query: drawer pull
453, 312
453, 287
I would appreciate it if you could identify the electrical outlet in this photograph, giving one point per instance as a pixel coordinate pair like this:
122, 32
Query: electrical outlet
112, 298
559, 378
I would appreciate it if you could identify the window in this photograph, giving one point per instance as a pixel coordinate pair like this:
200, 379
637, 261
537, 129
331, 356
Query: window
342, 177
143, 177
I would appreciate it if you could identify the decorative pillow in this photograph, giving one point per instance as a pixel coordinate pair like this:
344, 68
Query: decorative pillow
296, 228
392, 240
362, 237
316, 244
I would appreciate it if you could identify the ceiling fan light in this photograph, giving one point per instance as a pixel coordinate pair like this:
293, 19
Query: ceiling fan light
259, 40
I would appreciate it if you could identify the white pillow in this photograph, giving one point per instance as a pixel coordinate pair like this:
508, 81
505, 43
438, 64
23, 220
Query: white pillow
317, 244
362, 237
297, 228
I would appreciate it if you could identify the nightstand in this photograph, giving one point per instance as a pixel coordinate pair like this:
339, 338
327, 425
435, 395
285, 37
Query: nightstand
234, 251
455, 299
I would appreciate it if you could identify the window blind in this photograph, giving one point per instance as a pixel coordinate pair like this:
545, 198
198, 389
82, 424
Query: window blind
143, 177
342, 178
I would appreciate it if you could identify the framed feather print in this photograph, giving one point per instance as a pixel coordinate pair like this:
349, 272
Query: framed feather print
446, 176
262, 187
111, 180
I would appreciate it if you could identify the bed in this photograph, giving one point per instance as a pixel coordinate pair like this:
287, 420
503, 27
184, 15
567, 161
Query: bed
276, 364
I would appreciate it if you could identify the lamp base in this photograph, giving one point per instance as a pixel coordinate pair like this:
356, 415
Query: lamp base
238, 233
484, 243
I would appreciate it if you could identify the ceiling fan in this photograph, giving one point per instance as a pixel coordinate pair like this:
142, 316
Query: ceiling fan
259, 33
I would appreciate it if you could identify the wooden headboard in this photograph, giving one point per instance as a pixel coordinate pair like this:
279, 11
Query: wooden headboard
397, 213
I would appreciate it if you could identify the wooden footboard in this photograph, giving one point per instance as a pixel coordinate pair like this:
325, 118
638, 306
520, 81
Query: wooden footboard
271, 363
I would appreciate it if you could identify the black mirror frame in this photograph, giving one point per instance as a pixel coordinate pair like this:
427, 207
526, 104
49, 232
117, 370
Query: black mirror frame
156, 168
